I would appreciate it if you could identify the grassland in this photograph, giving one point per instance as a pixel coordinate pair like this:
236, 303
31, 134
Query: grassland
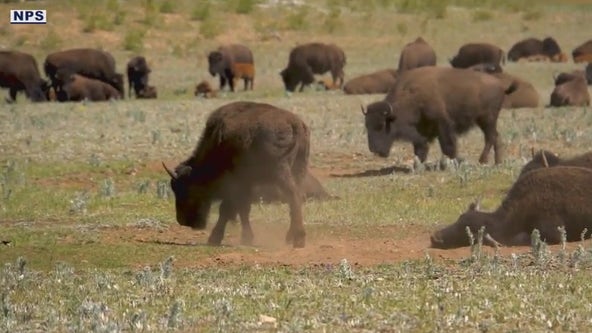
89, 219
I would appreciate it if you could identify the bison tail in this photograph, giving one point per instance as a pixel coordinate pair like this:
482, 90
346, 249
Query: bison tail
513, 86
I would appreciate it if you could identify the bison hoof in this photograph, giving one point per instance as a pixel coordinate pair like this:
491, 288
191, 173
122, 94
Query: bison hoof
214, 240
297, 239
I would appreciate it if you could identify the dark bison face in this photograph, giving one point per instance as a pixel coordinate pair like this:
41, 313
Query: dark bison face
455, 235
290, 79
378, 120
216, 63
192, 203
117, 82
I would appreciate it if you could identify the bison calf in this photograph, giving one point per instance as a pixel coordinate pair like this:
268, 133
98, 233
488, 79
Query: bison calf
78, 88
148, 92
204, 89
379, 82
543, 199
243, 145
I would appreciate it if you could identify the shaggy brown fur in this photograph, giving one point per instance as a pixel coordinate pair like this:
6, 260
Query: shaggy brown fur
417, 54
542, 199
572, 90
583, 53
437, 102
379, 82
313, 58
244, 144
149, 92
524, 96
231, 62
204, 89
19, 72
78, 88
138, 73
552, 160
533, 47
477, 53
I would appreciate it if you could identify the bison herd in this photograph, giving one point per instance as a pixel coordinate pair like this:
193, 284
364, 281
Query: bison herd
250, 151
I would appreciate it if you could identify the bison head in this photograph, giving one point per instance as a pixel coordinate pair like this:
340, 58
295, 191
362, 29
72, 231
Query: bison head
192, 203
290, 79
216, 62
455, 235
117, 83
379, 117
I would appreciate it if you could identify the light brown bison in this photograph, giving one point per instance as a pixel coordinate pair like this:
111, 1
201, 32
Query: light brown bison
583, 53
78, 88
546, 159
477, 53
149, 92
524, 96
138, 73
436, 102
204, 89
230, 62
537, 50
417, 54
374, 83
565, 77
313, 58
19, 72
92, 63
572, 91
244, 144
542, 199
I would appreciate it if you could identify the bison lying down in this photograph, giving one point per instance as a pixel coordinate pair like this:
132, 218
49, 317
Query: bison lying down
244, 144
545, 158
542, 199
379, 82
430, 102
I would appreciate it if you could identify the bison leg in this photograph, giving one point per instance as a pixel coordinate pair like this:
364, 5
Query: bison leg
227, 212
447, 140
244, 211
491, 140
231, 83
222, 82
420, 143
296, 234
12, 93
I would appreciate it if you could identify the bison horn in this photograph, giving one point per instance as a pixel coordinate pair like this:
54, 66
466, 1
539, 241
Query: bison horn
476, 205
545, 162
364, 112
171, 173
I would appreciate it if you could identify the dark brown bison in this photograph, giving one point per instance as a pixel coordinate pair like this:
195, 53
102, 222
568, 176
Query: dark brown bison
417, 54
19, 72
78, 88
531, 47
546, 159
430, 102
572, 91
230, 62
477, 53
92, 63
138, 73
542, 199
311, 188
313, 58
374, 83
149, 92
244, 144
583, 53
204, 89
565, 77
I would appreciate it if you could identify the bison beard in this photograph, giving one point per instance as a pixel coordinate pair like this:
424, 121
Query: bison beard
244, 144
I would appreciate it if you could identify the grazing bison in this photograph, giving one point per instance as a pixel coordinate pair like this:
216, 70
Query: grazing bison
417, 54
138, 72
477, 53
572, 90
311, 188
230, 62
535, 49
379, 82
583, 53
78, 88
430, 102
92, 63
243, 145
313, 58
19, 72
149, 92
204, 89
542, 199
545, 158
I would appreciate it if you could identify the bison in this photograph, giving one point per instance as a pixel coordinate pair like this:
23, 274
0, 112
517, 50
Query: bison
379, 82
149, 92
138, 72
542, 199
524, 96
92, 63
243, 145
565, 77
19, 72
532, 47
417, 54
230, 62
583, 53
430, 102
313, 58
545, 159
204, 89
477, 53
572, 91
78, 88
